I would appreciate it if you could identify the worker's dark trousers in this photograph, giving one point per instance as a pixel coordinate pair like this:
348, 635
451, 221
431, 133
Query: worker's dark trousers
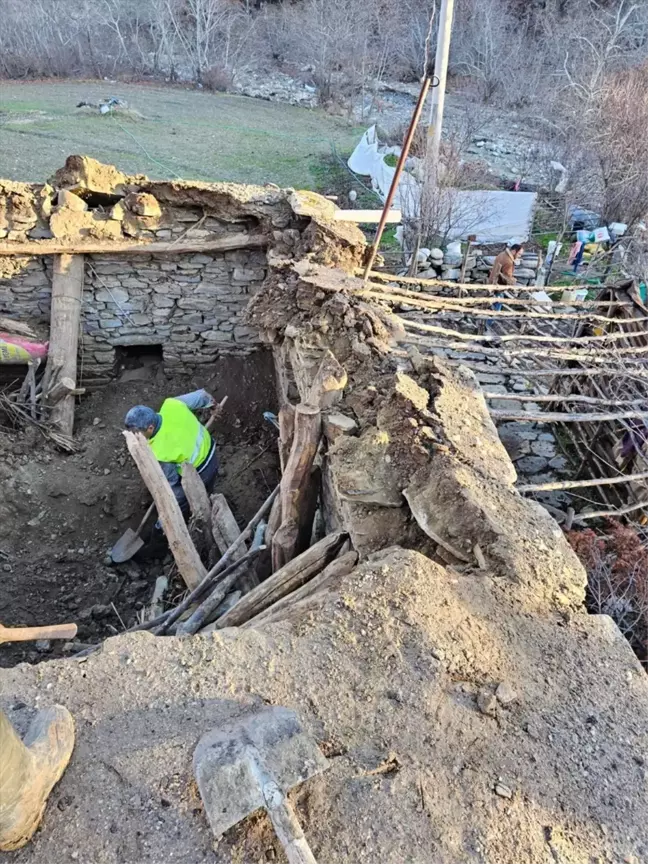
16, 765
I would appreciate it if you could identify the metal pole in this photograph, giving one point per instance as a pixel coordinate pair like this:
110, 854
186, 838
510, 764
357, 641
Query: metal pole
407, 143
435, 125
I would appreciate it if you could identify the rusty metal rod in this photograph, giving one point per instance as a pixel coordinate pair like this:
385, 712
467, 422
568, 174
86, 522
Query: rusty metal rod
407, 143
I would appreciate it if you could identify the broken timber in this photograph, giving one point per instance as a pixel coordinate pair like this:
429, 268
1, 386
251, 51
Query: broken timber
290, 537
182, 548
286, 580
94, 247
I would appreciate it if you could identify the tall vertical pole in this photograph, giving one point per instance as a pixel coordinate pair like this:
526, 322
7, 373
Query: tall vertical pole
65, 319
441, 76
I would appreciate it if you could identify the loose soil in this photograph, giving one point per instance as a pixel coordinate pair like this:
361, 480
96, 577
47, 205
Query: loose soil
61, 514
394, 673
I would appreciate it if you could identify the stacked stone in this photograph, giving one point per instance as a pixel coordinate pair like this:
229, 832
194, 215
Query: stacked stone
532, 446
193, 305
26, 292
437, 264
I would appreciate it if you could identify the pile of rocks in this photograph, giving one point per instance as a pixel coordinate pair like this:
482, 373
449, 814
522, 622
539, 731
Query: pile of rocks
275, 87
437, 264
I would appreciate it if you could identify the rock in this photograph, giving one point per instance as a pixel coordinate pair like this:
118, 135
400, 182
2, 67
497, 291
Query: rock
531, 464
559, 463
505, 694
70, 200
100, 611
526, 431
143, 204
43, 645
543, 448
503, 790
506, 405
517, 448
336, 424
486, 702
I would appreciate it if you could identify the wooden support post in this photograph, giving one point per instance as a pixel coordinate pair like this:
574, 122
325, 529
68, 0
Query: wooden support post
182, 548
293, 534
226, 531
286, 432
328, 383
198, 500
63, 388
65, 321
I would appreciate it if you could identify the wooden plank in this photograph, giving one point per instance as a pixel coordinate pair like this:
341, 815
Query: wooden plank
560, 417
218, 572
580, 484
226, 530
552, 397
75, 246
182, 548
17, 327
284, 581
65, 320
394, 217
224, 526
498, 339
205, 611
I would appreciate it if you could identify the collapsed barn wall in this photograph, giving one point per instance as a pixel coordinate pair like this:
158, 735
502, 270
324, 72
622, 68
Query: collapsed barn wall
419, 462
191, 302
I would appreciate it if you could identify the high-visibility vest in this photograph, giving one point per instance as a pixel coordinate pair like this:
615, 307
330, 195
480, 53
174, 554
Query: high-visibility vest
180, 438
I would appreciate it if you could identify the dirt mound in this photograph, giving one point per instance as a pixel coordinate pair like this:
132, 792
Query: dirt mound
395, 675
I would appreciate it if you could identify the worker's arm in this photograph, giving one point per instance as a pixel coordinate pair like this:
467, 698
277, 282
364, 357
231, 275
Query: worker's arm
196, 400
170, 470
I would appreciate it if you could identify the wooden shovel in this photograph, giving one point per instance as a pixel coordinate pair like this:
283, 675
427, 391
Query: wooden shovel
27, 634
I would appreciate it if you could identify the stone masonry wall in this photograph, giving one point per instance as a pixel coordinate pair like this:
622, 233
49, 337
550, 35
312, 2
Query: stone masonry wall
533, 447
193, 305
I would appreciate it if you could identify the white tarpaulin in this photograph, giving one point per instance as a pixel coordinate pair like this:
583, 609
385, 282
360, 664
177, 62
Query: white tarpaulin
493, 216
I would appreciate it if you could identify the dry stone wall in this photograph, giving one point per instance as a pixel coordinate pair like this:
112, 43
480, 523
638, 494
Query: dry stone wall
192, 305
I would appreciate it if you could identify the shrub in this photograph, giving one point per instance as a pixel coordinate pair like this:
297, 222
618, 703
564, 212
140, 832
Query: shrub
617, 579
218, 79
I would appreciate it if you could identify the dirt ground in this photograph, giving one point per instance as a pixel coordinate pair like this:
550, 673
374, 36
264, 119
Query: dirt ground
394, 674
61, 514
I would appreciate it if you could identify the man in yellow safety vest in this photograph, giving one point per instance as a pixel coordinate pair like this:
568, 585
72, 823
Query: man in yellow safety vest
176, 436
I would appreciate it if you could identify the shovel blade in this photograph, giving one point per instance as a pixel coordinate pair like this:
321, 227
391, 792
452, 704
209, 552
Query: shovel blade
127, 545
225, 763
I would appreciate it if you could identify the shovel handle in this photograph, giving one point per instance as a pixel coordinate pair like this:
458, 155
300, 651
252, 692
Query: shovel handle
27, 634
286, 826
216, 413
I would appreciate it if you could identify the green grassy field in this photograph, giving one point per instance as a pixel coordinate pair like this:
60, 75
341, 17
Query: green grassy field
181, 133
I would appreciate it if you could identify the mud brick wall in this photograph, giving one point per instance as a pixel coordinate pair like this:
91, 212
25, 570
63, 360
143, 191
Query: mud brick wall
192, 305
